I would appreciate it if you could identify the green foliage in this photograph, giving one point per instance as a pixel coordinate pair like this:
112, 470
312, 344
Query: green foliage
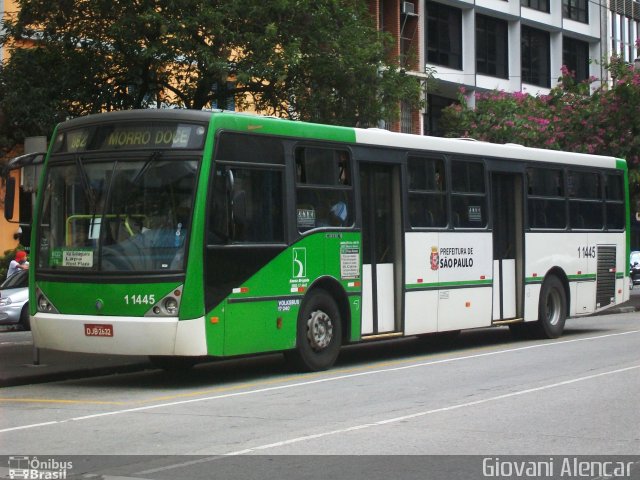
317, 60
574, 117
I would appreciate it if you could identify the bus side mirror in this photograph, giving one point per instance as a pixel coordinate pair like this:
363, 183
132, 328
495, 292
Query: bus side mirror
9, 196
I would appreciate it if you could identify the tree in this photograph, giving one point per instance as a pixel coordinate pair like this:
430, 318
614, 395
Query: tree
317, 60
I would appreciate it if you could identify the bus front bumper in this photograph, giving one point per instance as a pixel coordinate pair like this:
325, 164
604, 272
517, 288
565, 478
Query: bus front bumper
119, 335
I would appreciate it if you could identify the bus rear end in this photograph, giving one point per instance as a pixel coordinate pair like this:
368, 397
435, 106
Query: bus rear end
111, 243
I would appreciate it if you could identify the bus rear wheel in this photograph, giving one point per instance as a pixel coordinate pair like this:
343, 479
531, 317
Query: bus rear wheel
319, 334
552, 309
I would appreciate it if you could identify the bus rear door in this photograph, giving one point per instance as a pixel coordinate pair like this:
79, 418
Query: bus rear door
508, 248
382, 251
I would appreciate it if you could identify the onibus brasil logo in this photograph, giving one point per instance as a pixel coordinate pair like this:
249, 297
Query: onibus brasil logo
38, 469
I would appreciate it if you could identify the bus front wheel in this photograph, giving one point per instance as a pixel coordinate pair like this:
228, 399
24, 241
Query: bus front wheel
552, 310
25, 319
319, 334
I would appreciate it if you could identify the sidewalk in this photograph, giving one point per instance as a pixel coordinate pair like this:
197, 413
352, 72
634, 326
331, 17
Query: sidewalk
20, 364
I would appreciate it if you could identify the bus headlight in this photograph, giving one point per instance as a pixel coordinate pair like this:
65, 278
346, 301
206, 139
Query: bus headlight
171, 306
167, 306
44, 305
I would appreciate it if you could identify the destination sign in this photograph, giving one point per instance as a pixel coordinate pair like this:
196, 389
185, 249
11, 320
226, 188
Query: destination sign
131, 136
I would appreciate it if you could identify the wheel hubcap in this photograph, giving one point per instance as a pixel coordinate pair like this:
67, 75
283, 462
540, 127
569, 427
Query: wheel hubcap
553, 307
319, 330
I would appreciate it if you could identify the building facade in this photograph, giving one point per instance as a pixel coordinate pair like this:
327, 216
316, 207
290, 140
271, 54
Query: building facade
481, 45
509, 45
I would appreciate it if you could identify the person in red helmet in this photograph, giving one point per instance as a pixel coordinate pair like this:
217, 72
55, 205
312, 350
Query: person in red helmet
20, 263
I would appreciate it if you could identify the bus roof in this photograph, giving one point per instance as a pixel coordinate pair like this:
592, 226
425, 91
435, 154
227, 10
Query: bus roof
240, 121
464, 146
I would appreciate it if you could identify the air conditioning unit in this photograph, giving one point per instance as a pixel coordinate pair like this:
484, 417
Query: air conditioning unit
408, 8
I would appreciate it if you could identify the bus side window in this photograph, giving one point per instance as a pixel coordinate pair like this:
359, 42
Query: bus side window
585, 201
247, 209
545, 199
324, 196
427, 197
468, 200
247, 198
614, 199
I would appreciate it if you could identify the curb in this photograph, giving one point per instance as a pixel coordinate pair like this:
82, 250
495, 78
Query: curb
45, 377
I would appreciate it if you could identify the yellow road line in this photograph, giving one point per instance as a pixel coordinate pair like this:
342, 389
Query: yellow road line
60, 400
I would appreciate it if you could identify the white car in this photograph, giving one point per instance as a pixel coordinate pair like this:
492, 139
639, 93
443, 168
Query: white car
14, 300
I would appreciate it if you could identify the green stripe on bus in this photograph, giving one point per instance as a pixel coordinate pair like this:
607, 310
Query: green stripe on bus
587, 277
468, 283
534, 280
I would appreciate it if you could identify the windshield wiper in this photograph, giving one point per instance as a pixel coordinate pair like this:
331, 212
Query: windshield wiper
152, 158
86, 184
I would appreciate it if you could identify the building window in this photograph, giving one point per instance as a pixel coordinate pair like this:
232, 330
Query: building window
575, 55
624, 33
541, 5
492, 47
576, 10
406, 117
444, 35
435, 105
535, 57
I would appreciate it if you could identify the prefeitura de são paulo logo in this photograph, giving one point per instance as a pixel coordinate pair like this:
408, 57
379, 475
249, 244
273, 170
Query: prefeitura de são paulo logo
434, 258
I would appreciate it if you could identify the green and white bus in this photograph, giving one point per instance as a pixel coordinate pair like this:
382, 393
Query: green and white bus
186, 234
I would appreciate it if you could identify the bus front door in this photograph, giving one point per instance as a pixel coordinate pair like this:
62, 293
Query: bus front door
508, 248
381, 247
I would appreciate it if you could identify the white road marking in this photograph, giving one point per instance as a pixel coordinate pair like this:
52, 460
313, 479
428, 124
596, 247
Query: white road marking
388, 421
430, 412
321, 380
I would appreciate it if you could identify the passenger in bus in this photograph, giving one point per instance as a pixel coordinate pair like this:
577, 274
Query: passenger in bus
344, 176
339, 214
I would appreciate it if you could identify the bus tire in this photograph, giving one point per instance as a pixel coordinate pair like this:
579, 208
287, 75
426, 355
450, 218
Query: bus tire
552, 309
319, 334
25, 319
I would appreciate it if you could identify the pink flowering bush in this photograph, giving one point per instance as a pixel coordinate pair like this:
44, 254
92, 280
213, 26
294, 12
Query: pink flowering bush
573, 116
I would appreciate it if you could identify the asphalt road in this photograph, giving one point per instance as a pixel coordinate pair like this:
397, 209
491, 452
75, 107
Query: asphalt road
484, 395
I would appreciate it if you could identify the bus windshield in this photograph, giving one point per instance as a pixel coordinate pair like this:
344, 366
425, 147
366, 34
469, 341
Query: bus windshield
128, 215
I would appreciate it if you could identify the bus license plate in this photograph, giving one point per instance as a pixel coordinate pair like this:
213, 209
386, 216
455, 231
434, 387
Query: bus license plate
98, 330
